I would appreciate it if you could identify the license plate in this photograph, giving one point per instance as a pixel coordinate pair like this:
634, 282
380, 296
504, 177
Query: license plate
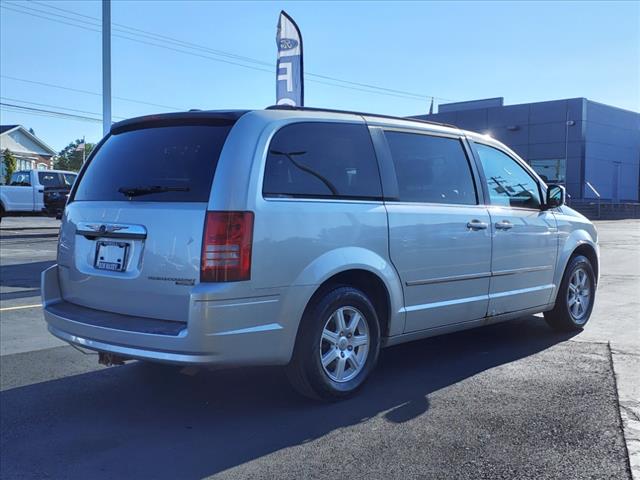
111, 255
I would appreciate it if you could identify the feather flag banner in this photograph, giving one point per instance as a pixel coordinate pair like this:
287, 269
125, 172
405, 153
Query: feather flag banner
289, 68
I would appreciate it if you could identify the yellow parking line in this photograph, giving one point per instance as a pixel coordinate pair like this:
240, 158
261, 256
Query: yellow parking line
20, 307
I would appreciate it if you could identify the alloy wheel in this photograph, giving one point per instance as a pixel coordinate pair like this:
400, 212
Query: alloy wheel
344, 345
579, 295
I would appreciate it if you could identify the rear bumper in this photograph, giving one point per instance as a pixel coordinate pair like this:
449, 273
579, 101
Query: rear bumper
222, 332
131, 352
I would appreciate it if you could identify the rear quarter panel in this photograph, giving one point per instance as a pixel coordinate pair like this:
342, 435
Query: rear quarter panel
300, 243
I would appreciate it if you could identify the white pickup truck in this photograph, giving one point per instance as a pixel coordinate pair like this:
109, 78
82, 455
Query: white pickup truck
32, 192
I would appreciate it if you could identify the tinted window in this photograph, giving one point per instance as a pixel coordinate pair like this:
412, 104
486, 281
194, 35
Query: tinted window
21, 179
182, 158
431, 169
50, 179
322, 160
509, 183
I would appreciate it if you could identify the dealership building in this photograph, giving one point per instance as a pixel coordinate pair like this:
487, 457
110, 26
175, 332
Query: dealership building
591, 148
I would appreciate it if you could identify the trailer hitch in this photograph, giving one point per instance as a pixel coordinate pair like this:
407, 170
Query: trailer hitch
109, 359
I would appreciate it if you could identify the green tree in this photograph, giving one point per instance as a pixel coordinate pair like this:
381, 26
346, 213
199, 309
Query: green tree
70, 157
10, 165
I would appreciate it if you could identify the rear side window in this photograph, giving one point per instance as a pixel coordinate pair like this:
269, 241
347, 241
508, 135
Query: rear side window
50, 179
160, 164
431, 169
20, 179
322, 160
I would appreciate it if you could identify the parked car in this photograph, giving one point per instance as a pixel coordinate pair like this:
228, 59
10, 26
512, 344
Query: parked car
34, 192
307, 238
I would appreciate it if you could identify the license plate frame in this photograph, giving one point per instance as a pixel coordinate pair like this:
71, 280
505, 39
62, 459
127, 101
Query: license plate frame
111, 255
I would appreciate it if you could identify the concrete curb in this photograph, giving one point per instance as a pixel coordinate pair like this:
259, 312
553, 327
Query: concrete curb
626, 367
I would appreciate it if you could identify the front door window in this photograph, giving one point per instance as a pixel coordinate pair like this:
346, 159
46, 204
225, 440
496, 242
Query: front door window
509, 184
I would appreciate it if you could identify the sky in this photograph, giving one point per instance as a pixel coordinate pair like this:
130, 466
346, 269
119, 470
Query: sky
454, 51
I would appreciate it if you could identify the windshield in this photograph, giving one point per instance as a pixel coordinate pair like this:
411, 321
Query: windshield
166, 164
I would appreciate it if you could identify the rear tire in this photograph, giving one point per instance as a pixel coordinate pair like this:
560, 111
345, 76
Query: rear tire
337, 346
575, 298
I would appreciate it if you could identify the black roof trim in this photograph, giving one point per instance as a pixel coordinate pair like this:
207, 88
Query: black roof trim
200, 117
6, 128
351, 112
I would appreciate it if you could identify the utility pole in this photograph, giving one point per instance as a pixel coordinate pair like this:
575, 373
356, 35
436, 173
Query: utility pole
106, 66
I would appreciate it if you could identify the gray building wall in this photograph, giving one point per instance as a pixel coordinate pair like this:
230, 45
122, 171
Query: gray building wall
612, 152
581, 140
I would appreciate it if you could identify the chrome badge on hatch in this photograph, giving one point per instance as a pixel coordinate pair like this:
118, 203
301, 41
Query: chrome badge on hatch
105, 228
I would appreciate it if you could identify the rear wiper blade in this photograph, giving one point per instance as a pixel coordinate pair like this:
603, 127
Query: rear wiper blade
139, 191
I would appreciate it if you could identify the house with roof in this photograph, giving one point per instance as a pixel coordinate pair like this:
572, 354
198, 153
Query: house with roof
29, 150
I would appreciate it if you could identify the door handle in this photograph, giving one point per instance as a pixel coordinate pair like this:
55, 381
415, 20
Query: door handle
477, 225
504, 225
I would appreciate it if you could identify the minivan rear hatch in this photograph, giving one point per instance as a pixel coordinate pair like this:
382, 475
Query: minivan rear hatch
131, 237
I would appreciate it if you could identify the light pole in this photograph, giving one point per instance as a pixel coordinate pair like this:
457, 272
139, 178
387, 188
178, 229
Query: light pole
568, 123
106, 66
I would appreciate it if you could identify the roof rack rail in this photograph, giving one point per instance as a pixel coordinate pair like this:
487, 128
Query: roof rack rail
352, 112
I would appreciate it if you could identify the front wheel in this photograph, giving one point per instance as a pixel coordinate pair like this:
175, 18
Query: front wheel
575, 298
337, 347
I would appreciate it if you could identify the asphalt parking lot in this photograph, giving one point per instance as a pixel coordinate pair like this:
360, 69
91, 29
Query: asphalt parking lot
508, 401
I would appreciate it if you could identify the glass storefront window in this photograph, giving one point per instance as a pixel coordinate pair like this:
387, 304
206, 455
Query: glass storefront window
551, 170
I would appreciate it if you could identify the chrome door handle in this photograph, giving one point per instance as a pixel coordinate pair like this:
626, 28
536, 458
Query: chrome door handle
477, 225
504, 225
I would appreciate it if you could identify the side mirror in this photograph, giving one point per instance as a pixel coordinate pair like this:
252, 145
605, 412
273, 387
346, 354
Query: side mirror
556, 195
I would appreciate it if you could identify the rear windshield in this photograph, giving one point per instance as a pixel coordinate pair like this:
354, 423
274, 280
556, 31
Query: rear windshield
160, 164
50, 179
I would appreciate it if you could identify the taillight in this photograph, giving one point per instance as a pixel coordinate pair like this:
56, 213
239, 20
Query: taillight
226, 247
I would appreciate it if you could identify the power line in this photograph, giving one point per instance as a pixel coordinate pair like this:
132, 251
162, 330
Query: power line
87, 92
52, 106
99, 30
4, 108
364, 87
4, 5
160, 36
240, 57
137, 40
14, 107
29, 10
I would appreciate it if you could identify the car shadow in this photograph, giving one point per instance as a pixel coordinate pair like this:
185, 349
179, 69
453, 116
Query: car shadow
23, 275
27, 236
151, 421
34, 292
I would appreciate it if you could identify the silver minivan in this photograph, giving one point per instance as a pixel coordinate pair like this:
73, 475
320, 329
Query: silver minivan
307, 238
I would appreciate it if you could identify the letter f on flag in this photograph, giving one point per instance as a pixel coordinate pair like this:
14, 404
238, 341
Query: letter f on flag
286, 75
289, 68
